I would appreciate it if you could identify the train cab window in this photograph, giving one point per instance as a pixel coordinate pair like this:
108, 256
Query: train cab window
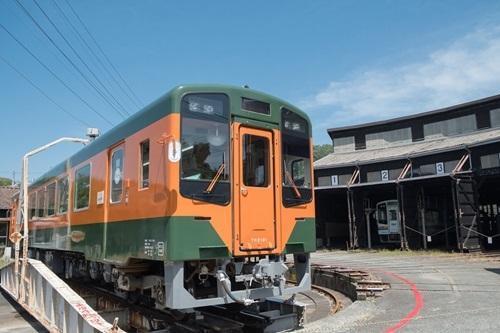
82, 187
382, 214
51, 199
255, 161
299, 171
116, 175
32, 205
296, 155
144, 180
40, 202
205, 148
62, 195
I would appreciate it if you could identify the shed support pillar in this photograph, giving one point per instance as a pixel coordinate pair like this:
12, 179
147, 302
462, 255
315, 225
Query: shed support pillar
402, 229
422, 216
353, 237
368, 212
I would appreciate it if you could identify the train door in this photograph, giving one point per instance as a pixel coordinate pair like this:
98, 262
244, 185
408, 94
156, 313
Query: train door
255, 190
115, 195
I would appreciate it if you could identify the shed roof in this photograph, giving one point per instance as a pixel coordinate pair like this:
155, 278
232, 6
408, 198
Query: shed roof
6, 194
414, 149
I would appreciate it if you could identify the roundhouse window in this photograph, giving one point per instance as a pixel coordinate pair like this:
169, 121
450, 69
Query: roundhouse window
82, 187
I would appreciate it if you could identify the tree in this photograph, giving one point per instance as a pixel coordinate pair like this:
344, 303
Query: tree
321, 151
5, 181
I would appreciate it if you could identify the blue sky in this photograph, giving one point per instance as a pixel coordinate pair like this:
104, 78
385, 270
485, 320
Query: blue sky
343, 62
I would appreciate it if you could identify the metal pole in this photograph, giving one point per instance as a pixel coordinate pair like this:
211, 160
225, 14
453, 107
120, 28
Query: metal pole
25, 229
23, 216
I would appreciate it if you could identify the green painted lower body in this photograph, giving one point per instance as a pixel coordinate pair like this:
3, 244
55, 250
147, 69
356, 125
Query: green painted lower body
167, 238
303, 237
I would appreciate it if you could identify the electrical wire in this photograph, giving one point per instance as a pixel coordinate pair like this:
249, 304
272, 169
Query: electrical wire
103, 53
78, 119
34, 32
55, 75
81, 59
61, 51
91, 50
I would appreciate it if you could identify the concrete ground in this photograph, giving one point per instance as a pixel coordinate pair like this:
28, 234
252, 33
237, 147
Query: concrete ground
13, 318
429, 293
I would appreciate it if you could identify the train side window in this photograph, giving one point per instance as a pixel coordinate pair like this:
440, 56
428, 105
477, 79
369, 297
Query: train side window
82, 187
32, 205
116, 175
51, 199
62, 195
40, 202
144, 180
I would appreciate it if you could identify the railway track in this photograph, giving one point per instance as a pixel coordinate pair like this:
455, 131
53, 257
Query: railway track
336, 304
136, 317
355, 283
322, 302
269, 316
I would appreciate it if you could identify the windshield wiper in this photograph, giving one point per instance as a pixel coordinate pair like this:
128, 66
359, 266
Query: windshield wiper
295, 189
216, 178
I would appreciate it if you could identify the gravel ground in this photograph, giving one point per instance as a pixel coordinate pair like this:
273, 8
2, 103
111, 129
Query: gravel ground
429, 293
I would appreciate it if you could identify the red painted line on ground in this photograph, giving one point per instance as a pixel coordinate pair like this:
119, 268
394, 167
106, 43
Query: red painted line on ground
419, 304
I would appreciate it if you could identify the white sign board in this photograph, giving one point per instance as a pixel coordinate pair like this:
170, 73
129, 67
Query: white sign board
100, 197
490, 240
429, 239
440, 168
384, 174
174, 151
335, 180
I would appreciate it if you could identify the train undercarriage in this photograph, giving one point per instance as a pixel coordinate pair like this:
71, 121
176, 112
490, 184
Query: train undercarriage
185, 284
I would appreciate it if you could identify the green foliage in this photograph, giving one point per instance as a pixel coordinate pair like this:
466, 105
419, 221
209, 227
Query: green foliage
321, 151
5, 181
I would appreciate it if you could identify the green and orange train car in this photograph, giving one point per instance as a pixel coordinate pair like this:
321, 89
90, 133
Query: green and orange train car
192, 201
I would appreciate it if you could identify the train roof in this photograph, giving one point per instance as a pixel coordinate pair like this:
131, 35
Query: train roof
161, 107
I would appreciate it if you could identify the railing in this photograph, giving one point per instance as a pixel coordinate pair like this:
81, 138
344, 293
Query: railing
52, 302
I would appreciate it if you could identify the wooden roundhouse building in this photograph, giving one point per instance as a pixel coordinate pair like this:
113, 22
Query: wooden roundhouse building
428, 180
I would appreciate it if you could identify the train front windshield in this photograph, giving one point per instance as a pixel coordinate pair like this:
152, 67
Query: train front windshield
296, 151
205, 147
